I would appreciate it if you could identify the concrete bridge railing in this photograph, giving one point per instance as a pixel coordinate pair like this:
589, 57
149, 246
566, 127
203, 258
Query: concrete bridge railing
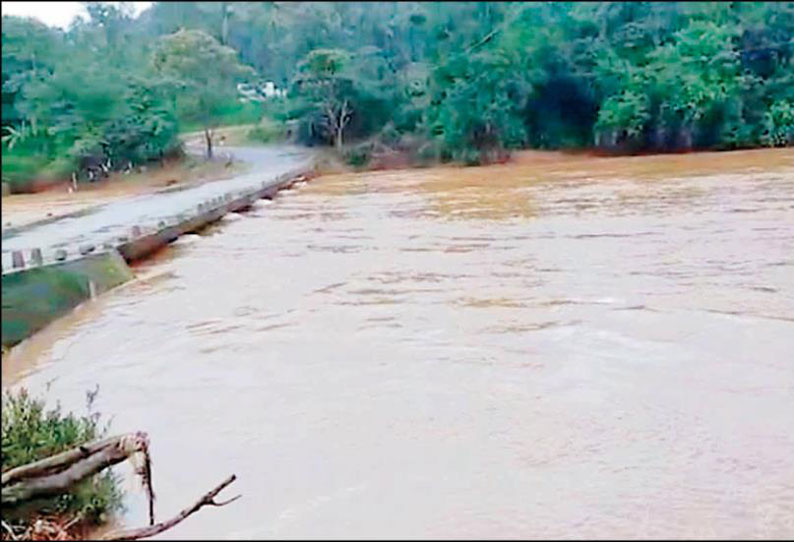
41, 284
168, 229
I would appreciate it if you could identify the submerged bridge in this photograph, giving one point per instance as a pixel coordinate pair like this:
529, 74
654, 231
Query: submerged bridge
50, 267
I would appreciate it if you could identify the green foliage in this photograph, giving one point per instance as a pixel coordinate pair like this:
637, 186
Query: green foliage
229, 113
79, 102
31, 432
29, 48
472, 80
267, 131
779, 124
203, 71
359, 155
476, 106
482, 78
623, 117
336, 92
18, 169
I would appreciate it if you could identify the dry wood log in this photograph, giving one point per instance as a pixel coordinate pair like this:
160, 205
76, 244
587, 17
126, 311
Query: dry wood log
144, 532
56, 462
57, 474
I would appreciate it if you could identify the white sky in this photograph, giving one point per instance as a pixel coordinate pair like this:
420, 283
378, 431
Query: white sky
54, 13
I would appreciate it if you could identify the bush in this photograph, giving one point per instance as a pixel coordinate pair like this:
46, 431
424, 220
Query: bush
267, 131
240, 113
20, 169
30, 433
23, 170
779, 124
389, 135
359, 155
232, 113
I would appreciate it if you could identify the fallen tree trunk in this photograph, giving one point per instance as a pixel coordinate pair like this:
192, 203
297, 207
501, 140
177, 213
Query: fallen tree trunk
53, 463
56, 474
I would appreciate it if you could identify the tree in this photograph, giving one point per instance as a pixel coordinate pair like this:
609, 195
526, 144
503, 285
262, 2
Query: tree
695, 76
325, 81
79, 102
205, 70
30, 50
466, 79
476, 108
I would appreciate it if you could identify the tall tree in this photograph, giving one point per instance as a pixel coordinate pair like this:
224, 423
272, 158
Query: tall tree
325, 81
206, 73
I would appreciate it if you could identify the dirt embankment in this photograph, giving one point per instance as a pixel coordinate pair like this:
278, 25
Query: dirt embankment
381, 157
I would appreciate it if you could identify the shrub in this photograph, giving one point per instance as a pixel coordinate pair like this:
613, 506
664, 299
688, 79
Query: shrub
18, 169
779, 124
30, 433
359, 155
267, 131
232, 113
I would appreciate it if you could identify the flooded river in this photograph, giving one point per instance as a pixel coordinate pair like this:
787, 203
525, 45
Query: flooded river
559, 347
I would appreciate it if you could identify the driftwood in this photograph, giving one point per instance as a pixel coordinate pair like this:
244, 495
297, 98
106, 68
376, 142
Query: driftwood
57, 474
207, 500
54, 462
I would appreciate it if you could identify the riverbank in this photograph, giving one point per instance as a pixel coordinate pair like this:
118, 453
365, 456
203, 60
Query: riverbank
689, 163
536, 162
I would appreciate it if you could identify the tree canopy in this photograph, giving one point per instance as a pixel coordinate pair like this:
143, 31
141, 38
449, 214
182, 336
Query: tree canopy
468, 80
202, 73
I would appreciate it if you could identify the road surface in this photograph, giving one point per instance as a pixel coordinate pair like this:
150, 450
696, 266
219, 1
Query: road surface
105, 223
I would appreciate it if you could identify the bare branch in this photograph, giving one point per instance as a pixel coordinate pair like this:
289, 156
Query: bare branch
149, 488
10, 531
345, 115
57, 474
227, 501
145, 532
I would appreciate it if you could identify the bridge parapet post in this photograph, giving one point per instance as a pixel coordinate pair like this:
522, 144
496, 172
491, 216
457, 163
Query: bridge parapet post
36, 257
17, 259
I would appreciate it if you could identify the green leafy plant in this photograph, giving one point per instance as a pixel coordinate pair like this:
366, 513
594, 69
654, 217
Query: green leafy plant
779, 124
31, 432
267, 131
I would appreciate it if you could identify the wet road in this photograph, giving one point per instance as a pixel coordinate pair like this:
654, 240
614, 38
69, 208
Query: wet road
107, 222
560, 347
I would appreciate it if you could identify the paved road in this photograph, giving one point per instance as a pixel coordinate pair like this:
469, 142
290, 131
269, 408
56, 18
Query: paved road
105, 223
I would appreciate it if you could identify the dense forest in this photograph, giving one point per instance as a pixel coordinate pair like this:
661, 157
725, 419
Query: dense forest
446, 81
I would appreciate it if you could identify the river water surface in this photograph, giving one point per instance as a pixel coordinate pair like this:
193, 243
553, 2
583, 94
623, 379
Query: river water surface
559, 347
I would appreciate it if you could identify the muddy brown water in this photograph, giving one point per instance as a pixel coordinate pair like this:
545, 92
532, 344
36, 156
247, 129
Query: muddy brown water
560, 347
